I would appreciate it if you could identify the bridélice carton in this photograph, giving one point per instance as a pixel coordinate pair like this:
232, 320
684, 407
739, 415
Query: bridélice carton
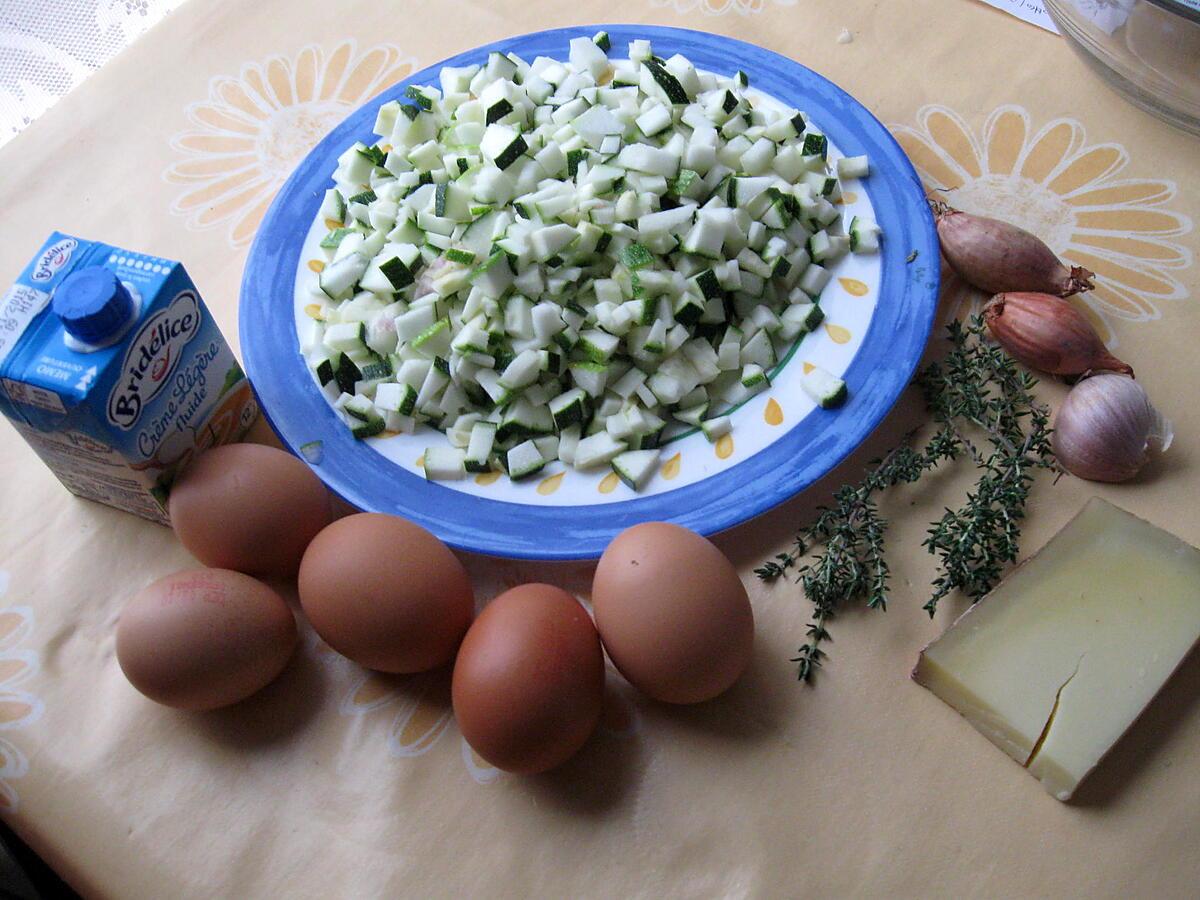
114, 372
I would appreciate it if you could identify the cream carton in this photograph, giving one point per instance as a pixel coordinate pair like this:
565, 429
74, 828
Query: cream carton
112, 369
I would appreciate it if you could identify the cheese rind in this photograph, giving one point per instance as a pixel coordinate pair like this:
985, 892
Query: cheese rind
1059, 660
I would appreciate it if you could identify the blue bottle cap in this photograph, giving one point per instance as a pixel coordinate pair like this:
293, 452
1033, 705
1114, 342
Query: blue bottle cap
93, 305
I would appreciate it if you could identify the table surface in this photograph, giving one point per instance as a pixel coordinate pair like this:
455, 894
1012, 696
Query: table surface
338, 782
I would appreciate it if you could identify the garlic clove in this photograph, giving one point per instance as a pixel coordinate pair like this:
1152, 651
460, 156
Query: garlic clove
1107, 429
1162, 434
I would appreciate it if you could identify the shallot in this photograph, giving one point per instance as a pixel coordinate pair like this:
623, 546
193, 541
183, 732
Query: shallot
1048, 334
997, 256
1106, 429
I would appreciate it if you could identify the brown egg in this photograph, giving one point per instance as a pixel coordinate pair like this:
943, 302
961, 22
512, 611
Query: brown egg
386, 593
204, 638
672, 613
249, 508
529, 680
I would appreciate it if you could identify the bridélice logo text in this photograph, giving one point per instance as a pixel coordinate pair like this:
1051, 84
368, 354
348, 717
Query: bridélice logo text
152, 357
53, 259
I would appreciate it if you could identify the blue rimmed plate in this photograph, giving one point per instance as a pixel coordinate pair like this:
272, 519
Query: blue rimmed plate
879, 310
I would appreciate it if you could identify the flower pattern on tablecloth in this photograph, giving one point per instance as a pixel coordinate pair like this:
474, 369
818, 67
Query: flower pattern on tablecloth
18, 708
422, 715
1079, 197
721, 7
419, 705
256, 127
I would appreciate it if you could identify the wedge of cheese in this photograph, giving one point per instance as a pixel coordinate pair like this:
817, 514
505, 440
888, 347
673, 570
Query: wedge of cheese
1059, 660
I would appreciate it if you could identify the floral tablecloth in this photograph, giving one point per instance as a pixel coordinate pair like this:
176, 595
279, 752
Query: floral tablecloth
338, 782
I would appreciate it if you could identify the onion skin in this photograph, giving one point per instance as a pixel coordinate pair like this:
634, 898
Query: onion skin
1106, 429
1047, 333
996, 256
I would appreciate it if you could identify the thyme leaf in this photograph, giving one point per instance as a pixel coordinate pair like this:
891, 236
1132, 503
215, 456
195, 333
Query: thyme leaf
983, 407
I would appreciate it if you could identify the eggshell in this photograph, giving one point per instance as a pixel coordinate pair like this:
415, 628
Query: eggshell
204, 638
249, 508
529, 680
386, 593
672, 613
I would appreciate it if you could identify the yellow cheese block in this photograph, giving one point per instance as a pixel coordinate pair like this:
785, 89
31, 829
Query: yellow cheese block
1059, 660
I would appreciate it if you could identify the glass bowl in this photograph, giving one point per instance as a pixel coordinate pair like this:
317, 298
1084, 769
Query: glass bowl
1147, 50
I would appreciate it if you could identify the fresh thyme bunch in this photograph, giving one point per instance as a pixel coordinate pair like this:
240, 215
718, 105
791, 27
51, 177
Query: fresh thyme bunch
977, 390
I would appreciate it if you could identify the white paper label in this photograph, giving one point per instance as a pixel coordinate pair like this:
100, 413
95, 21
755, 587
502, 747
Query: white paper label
1032, 11
28, 394
18, 308
1107, 15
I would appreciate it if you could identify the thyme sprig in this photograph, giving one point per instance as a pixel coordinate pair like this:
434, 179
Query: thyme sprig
975, 393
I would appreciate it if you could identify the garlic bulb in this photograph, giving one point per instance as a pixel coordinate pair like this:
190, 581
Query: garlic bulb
1106, 429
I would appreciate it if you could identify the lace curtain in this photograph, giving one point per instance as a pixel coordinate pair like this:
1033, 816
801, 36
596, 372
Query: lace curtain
47, 47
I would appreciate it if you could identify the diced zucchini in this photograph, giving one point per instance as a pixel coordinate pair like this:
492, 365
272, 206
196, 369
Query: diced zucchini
396, 397
827, 389
346, 336
369, 428
597, 346
547, 445
715, 429
597, 450
590, 376
672, 233
853, 167
636, 467
339, 277
669, 83
434, 340
654, 121
800, 318
333, 206
864, 235
572, 407
524, 460
815, 144
754, 378
479, 448
758, 350
361, 408
333, 240
443, 463
688, 309
502, 145
522, 371
693, 415
635, 256
346, 373
651, 160
568, 441
814, 279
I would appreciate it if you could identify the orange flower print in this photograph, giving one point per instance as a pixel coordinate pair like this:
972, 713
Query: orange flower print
721, 7
256, 127
1079, 197
419, 705
18, 708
